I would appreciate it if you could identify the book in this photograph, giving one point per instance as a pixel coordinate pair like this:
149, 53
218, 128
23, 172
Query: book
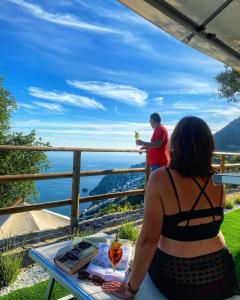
76, 257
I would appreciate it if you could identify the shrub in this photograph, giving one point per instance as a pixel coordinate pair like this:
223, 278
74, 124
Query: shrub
81, 233
128, 231
10, 265
237, 199
230, 203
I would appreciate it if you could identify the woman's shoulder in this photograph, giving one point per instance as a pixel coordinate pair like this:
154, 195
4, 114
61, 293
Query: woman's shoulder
159, 174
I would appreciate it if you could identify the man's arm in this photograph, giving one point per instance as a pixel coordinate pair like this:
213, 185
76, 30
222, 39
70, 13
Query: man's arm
156, 144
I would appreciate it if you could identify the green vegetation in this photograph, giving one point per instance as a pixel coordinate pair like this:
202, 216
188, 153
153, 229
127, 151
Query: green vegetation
229, 84
10, 263
128, 231
123, 204
81, 233
230, 230
114, 208
232, 200
230, 203
36, 292
17, 162
237, 199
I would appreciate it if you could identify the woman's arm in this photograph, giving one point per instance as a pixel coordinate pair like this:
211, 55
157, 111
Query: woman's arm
150, 233
223, 196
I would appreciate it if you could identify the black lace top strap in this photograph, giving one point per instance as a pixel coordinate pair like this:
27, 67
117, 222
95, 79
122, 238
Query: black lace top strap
202, 191
174, 188
202, 188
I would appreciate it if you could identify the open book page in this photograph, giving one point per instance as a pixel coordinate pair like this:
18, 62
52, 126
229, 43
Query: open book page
101, 265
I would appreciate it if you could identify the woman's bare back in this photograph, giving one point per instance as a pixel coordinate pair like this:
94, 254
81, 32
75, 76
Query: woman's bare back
188, 191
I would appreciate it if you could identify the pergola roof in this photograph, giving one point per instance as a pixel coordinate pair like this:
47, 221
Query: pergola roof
212, 27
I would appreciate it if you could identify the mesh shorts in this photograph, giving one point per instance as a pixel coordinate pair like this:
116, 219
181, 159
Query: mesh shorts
210, 276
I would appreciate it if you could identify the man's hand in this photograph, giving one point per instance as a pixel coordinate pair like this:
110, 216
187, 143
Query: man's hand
139, 143
142, 148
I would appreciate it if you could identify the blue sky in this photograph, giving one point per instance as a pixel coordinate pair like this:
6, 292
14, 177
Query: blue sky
89, 73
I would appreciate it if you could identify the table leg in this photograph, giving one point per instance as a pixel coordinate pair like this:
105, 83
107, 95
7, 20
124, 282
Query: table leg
50, 288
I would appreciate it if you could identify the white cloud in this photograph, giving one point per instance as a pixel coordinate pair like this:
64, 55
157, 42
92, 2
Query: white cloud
144, 45
159, 100
93, 133
190, 91
25, 105
63, 97
92, 124
50, 106
107, 10
122, 93
223, 111
185, 84
66, 20
183, 105
85, 134
226, 111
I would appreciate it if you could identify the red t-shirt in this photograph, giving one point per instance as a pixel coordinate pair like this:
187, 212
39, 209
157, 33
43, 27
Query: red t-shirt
159, 156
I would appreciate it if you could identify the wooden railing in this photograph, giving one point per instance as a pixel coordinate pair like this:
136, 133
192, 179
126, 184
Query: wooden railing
76, 174
223, 166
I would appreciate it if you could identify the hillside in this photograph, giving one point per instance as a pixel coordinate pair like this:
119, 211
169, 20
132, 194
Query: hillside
228, 138
119, 182
116, 183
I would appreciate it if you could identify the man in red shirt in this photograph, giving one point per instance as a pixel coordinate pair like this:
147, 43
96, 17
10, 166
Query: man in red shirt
158, 147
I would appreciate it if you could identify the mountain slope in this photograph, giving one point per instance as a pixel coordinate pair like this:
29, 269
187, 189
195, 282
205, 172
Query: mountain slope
228, 138
119, 182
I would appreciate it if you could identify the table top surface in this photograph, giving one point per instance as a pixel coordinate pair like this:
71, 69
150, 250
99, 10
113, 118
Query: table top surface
82, 289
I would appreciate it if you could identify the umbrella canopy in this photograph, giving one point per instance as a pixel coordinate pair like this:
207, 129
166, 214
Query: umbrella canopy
27, 222
211, 27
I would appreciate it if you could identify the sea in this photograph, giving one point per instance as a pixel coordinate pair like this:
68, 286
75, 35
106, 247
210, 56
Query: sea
60, 189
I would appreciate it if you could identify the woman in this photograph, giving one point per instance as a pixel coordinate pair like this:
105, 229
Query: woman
181, 245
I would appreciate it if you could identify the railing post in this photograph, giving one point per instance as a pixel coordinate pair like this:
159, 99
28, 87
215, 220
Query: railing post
147, 171
75, 190
222, 163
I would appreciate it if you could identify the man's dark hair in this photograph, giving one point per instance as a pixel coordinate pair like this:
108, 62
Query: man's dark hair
156, 117
191, 148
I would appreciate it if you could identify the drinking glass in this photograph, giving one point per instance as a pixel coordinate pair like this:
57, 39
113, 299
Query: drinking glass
115, 255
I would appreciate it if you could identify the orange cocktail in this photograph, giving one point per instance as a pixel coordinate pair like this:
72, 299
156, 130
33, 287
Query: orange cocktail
115, 252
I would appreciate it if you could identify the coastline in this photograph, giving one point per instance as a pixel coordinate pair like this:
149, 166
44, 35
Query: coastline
60, 189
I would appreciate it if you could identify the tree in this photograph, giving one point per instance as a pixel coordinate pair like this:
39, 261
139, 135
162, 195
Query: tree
7, 105
229, 84
17, 162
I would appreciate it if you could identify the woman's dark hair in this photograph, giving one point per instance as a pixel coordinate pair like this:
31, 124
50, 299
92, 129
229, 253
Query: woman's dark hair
156, 117
192, 146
